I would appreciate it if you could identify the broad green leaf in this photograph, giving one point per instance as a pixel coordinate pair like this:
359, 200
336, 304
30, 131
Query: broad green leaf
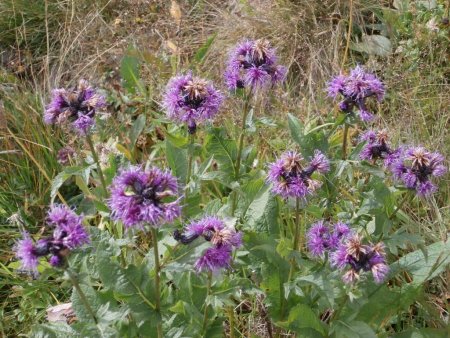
353, 329
424, 265
177, 159
302, 317
58, 181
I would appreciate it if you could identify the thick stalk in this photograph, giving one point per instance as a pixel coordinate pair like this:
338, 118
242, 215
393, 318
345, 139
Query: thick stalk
83, 297
208, 292
97, 162
344, 142
157, 280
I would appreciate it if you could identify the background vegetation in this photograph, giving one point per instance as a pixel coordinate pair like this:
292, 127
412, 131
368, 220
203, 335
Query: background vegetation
131, 48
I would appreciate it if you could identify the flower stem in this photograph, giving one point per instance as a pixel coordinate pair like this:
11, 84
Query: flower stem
237, 166
344, 142
83, 297
298, 243
245, 111
231, 321
208, 292
157, 280
190, 159
99, 169
298, 235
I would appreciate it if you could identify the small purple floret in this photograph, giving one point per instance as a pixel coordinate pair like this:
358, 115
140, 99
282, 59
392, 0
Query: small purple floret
77, 106
291, 178
253, 64
355, 89
415, 167
191, 100
222, 238
359, 258
326, 238
140, 197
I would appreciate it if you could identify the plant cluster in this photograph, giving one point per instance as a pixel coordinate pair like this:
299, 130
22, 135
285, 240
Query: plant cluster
224, 225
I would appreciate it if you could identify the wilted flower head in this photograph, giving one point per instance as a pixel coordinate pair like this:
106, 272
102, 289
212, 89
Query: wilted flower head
65, 155
377, 147
222, 237
292, 178
416, 166
253, 64
68, 233
326, 237
191, 100
355, 89
357, 257
77, 106
144, 197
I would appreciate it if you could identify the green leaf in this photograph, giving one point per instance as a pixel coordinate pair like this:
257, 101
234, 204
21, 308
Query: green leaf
296, 128
58, 181
129, 70
224, 150
302, 317
424, 265
137, 128
203, 50
422, 333
177, 159
354, 329
373, 45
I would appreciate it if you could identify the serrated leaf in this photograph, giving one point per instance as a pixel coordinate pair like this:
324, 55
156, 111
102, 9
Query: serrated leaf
177, 159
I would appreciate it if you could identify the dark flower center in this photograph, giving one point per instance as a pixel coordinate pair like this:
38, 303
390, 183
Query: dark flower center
145, 193
363, 263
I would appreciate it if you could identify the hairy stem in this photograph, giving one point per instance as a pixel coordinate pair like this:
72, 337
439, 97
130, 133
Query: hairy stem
157, 279
83, 297
97, 162
208, 292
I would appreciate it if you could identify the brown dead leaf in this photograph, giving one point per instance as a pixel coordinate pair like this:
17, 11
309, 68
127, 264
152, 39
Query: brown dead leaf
172, 46
175, 12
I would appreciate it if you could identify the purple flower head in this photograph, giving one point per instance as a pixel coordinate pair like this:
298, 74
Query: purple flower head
68, 234
359, 258
291, 178
325, 237
68, 227
415, 167
222, 238
355, 89
191, 100
77, 106
26, 254
65, 155
377, 147
253, 64
140, 197
214, 259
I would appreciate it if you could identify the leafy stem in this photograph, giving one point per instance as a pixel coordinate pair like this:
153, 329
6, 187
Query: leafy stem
190, 159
